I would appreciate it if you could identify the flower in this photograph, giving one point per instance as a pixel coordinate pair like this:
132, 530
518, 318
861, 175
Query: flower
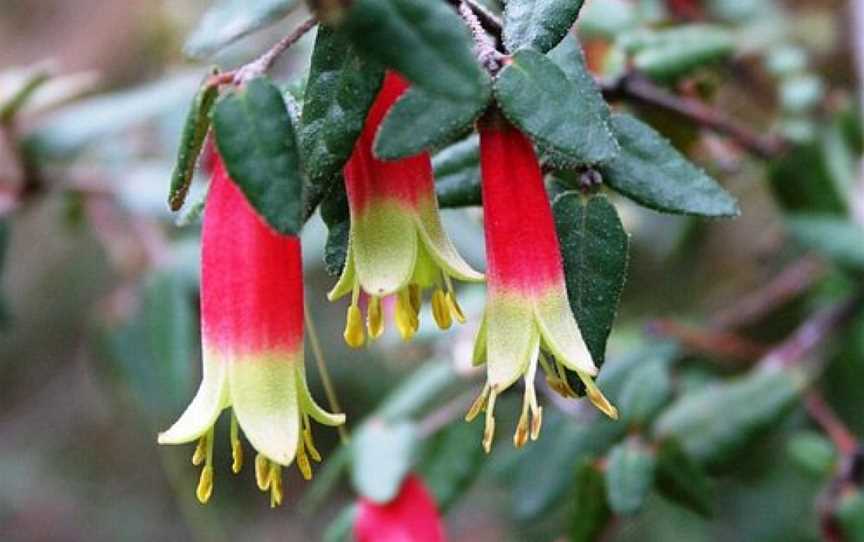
411, 517
527, 315
252, 335
397, 244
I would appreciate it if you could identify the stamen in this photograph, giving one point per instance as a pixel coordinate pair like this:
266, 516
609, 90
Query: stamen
262, 472
406, 320
205, 485
374, 318
478, 405
598, 399
275, 481
354, 335
236, 445
520, 437
414, 297
450, 297
303, 461
489, 430
200, 451
307, 439
440, 309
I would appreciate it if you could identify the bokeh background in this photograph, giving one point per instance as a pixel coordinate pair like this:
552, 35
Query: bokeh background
99, 346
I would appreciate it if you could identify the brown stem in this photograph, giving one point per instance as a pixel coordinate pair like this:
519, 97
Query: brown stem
707, 341
264, 62
833, 426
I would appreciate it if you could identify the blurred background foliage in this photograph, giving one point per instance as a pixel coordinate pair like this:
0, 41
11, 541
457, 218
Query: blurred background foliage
98, 302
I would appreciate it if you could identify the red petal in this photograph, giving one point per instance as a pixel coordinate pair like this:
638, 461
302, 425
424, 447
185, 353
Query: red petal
521, 244
411, 517
251, 276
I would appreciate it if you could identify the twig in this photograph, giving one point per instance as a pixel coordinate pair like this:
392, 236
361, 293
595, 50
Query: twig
792, 281
708, 341
264, 62
490, 22
326, 381
833, 426
485, 45
636, 88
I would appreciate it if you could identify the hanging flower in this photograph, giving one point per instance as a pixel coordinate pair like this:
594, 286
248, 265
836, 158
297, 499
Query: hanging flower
528, 318
397, 244
411, 517
252, 334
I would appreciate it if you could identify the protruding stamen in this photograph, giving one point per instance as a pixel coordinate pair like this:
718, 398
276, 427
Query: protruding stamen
308, 441
414, 297
489, 430
536, 423
262, 472
478, 405
303, 464
205, 485
236, 446
520, 437
450, 297
406, 319
374, 317
275, 482
441, 310
200, 451
354, 335
598, 399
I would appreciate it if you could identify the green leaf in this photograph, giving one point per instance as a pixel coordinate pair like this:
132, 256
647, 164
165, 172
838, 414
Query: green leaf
383, 454
457, 174
644, 393
682, 480
452, 462
538, 24
850, 515
15, 99
226, 21
837, 238
556, 111
715, 422
334, 212
341, 89
256, 139
420, 120
424, 40
650, 171
629, 476
191, 141
594, 247
671, 53
812, 452
589, 509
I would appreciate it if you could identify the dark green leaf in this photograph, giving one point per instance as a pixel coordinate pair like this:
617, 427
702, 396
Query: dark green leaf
340, 91
835, 237
424, 40
682, 480
453, 461
191, 141
850, 516
228, 20
802, 181
629, 476
652, 172
457, 174
644, 393
594, 247
590, 510
715, 422
382, 456
559, 113
256, 139
334, 212
421, 120
538, 24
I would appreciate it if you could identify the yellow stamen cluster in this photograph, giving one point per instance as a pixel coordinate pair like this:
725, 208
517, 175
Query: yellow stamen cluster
409, 300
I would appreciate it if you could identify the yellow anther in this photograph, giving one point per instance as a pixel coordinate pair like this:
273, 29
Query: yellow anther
536, 423
520, 437
200, 451
310, 445
205, 485
354, 335
262, 472
598, 399
478, 405
236, 446
374, 318
406, 320
303, 464
489, 429
455, 309
414, 298
441, 310
275, 481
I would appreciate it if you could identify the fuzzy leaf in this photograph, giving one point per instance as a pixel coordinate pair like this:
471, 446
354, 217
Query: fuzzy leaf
457, 174
590, 509
715, 422
226, 21
645, 392
629, 476
682, 480
191, 141
594, 247
837, 238
538, 24
420, 120
558, 112
383, 455
339, 93
256, 139
652, 172
424, 40
334, 212
448, 479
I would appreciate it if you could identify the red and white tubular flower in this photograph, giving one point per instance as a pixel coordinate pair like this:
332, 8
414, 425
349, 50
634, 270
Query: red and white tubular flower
252, 335
411, 517
397, 244
528, 317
